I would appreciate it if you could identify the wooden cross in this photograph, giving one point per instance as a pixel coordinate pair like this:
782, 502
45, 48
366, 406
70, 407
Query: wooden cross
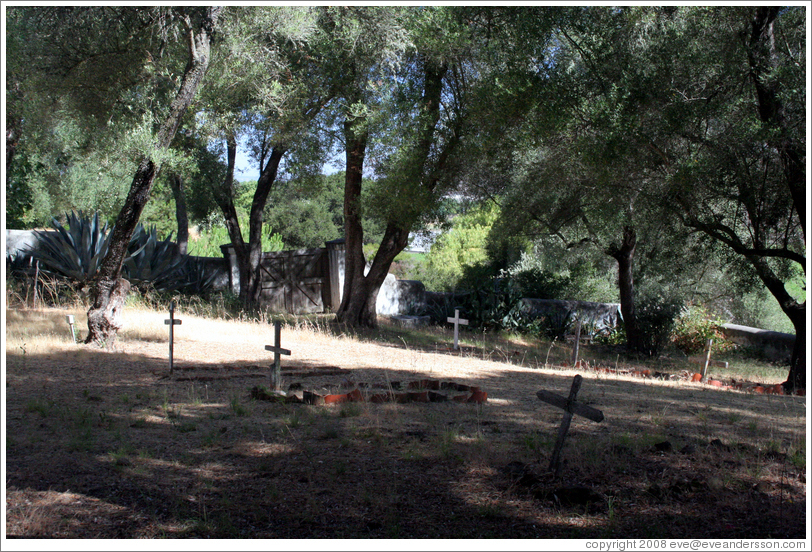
457, 321
276, 376
577, 345
570, 407
172, 323
705, 361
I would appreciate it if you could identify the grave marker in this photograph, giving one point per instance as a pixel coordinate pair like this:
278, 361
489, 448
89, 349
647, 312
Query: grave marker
576, 347
70, 320
172, 322
570, 408
276, 376
457, 321
705, 361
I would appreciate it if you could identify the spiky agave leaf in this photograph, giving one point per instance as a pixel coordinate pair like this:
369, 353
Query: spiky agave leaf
75, 252
153, 261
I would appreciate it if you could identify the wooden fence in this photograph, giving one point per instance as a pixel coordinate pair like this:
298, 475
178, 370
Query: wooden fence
297, 281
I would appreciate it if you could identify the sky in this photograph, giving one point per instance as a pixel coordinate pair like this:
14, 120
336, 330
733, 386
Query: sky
246, 169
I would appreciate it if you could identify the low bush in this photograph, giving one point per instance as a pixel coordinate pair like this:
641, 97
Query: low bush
694, 326
656, 315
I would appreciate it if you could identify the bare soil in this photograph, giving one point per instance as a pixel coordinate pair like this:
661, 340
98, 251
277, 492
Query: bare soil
106, 444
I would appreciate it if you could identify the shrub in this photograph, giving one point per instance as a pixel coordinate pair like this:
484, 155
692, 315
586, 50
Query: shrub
694, 326
655, 320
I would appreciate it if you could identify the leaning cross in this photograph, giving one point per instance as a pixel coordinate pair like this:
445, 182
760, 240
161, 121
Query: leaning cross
457, 321
172, 323
277, 350
570, 407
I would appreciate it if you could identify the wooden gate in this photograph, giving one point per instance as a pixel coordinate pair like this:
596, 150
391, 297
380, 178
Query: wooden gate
295, 281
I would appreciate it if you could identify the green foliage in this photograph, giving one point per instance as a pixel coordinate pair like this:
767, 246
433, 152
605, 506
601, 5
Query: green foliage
307, 212
458, 257
75, 252
153, 262
656, 316
694, 326
528, 278
212, 234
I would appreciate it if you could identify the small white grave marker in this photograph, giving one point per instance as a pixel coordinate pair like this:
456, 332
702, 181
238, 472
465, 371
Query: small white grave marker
172, 322
70, 320
276, 376
457, 321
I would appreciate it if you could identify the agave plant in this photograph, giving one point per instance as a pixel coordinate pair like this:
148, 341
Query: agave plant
75, 252
153, 261
195, 277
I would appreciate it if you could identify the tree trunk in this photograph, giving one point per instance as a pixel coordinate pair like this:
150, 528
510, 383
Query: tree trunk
763, 60
177, 185
624, 255
358, 306
355, 308
797, 364
249, 254
108, 290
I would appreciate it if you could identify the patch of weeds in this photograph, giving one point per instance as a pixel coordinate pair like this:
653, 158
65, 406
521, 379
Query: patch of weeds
294, 420
535, 442
411, 452
237, 407
194, 397
210, 439
273, 492
185, 427
331, 432
798, 455
139, 423
43, 407
752, 426
121, 456
82, 417
489, 511
350, 410
339, 468
446, 442
611, 502
124, 399
81, 441
143, 396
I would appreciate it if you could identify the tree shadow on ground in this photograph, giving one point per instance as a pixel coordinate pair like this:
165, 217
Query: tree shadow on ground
130, 454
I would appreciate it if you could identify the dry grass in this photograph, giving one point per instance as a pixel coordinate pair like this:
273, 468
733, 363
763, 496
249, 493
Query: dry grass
104, 444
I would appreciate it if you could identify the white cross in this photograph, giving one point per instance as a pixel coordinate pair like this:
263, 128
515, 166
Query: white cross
457, 321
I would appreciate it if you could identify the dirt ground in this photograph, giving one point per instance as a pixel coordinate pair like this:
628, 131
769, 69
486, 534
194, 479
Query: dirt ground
106, 444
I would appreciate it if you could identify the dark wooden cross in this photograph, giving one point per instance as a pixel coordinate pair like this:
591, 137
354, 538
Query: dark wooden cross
457, 321
276, 375
172, 322
570, 407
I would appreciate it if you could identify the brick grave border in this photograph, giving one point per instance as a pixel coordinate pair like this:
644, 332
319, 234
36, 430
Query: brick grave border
420, 391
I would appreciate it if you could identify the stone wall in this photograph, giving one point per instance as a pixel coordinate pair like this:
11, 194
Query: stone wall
600, 316
19, 243
775, 345
400, 296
